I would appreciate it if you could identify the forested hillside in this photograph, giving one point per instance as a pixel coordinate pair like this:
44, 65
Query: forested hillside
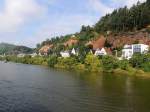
124, 19
6, 48
121, 23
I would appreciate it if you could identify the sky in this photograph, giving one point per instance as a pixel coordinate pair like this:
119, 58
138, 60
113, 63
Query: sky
28, 22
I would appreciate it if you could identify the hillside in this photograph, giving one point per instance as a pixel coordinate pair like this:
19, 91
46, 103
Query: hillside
113, 31
6, 48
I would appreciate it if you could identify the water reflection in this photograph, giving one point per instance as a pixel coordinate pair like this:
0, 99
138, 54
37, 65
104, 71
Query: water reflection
27, 88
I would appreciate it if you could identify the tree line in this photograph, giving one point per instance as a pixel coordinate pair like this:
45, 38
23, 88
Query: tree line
125, 19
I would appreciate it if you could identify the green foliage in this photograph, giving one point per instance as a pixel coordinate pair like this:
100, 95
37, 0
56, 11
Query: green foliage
80, 66
141, 61
66, 63
109, 63
120, 20
87, 33
146, 66
52, 60
123, 64
4, 48
92, 62
12, 49
26, 60
137, 60
125, 19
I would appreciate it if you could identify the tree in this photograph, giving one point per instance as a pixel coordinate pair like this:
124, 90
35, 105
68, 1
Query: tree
138, 59
67, 63
52, 60
109, 63
123, 64
92, 62
148, 2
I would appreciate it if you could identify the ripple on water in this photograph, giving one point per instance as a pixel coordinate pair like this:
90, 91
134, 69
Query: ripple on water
37, 89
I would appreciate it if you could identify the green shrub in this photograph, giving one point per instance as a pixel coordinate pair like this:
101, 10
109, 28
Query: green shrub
109, 63
123, 64
52, 60
146, 67
66, 63
92, 62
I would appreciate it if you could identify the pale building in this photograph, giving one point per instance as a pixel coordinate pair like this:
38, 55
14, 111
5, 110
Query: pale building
65, 54
100, 52
73, 51
129, 50
21, 55
33, 54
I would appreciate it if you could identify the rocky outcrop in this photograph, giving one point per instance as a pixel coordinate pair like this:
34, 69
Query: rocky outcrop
97, 43
45, 49
120, 40
71, 41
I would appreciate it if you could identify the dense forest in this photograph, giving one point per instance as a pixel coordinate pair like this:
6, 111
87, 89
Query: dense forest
124, 19
120, 20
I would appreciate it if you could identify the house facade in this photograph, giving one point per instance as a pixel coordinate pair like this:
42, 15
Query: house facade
21, 55
68, 53
73, 51
65, 54
129, 50
33, 55
100, 52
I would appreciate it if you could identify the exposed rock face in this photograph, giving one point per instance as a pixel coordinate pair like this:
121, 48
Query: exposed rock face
119, 40
98, 43
71, 41
129, 38
45, 49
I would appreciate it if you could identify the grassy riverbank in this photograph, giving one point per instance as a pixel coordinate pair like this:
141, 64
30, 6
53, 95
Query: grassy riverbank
139, 64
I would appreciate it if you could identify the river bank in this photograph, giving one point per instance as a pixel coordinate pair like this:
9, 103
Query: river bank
91, 64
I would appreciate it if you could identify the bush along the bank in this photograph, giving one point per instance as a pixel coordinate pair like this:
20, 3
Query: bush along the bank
109, 63
141, 61
52, 61
90, 63
38, 60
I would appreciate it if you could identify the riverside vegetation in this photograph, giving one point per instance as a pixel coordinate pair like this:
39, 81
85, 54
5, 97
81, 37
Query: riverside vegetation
138, 64
122, 20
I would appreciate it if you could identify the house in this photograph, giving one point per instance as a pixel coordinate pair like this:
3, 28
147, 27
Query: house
129, 50
100, 52
73, 51
21, 55
33, 55
65, 54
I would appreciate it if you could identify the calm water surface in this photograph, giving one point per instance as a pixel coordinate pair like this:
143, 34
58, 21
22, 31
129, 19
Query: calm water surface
27, 88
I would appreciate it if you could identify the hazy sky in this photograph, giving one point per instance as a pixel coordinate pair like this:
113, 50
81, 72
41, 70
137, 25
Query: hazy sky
28, 22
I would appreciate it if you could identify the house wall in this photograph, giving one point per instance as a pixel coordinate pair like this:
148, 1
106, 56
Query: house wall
128, 51
65, 54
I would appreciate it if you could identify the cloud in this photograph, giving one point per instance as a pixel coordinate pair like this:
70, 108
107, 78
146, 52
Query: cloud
129, 3
109, 5
35, 20
67, 24
99, 6
15, 13
62, 24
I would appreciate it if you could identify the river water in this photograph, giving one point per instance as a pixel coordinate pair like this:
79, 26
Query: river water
28, 88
